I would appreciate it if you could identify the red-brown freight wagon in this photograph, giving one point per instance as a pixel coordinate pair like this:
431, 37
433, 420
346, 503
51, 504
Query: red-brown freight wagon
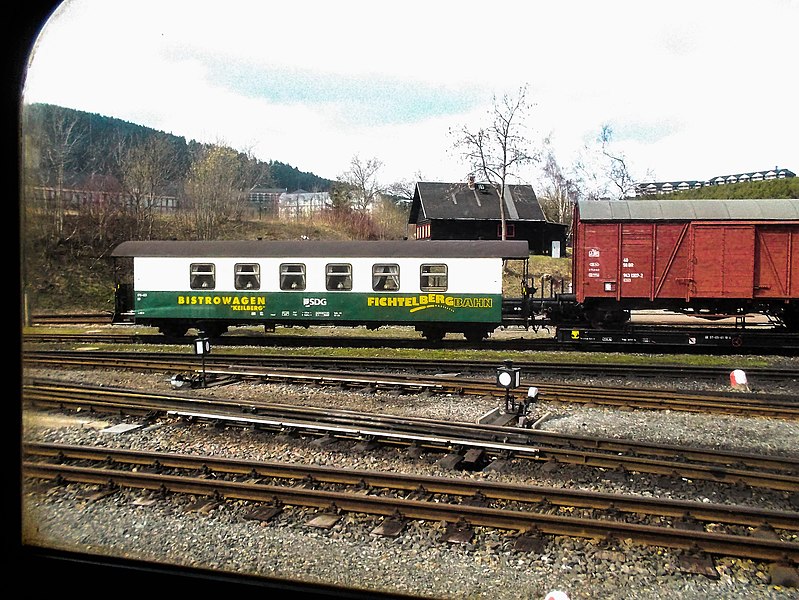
703, 257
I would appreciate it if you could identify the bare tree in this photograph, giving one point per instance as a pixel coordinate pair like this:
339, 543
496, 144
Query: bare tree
604, 169
214, 189
390, 218
617, 171
60, 138
558, 192
341, 197
146, 169
494, 152
362, 179
404, 189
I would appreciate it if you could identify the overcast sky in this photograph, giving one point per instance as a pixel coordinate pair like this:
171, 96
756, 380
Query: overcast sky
692, 89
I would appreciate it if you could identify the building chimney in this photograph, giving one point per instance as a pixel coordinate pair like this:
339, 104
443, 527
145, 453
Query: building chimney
471, 182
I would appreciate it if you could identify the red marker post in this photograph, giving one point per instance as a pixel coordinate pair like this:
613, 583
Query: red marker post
738, 380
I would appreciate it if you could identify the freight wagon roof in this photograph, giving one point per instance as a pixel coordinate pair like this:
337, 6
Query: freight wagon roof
333, 249
763, 209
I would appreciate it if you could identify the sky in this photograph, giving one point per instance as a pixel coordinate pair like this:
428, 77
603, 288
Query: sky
691, 89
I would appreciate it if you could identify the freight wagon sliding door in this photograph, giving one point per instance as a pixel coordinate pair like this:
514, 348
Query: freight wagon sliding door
723, 261
776, 262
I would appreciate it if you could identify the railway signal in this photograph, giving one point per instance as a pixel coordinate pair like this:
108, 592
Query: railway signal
509, 376
202, 346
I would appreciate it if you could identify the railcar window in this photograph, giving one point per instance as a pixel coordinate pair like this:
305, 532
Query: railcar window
338, 276
433, 278
247, 276
203, 276
292, 276
385, 277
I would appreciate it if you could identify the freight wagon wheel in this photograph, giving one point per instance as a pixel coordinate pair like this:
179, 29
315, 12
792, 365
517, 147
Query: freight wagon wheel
605, 318
791, 319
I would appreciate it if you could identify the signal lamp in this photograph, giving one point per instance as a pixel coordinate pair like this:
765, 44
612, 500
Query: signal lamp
508, 376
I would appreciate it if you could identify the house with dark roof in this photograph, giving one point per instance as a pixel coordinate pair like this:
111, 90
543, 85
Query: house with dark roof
471, 211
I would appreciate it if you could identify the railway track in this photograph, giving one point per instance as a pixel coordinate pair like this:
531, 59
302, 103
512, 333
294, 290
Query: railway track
445, 377
448, 365
464, 445
530, 511
521, 341
71, 318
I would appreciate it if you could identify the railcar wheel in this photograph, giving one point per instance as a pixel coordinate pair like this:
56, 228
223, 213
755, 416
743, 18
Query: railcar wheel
433, 334
173, 330
475, 336
214, 330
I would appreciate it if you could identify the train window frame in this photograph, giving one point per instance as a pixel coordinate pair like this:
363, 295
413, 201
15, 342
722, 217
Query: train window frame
202, 276
338, 277
292, 281
242, 277
430, 281
382, 280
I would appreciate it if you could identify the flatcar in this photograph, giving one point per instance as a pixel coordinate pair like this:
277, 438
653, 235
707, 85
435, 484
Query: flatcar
438, 287
708, 258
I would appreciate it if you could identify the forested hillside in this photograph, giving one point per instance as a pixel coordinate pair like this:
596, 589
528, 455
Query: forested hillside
97, 145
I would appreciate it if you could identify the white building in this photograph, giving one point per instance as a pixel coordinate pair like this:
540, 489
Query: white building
299, 204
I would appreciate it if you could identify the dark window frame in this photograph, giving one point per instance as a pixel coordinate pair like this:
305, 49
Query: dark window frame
202, 273
240, 277
288, 278
424, 277
381, 280
338, 281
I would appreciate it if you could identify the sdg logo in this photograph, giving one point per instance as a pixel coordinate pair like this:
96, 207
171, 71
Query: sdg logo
306, 302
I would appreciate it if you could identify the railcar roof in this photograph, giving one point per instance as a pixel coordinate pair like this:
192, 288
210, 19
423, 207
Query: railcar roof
770, 209
333, 249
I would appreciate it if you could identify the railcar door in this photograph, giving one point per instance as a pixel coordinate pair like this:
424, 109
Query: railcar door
723, 261
123, 303
773, 262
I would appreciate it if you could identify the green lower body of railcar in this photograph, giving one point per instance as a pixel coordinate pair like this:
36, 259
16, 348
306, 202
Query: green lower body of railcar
335, 307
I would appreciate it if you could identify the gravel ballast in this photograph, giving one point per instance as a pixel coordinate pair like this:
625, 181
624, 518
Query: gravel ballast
142, 526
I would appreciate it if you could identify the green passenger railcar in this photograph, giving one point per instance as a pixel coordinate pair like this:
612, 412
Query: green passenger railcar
436, 286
